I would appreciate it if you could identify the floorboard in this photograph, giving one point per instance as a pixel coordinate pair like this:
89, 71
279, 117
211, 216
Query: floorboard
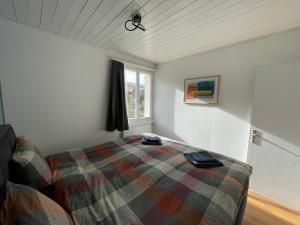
261, 211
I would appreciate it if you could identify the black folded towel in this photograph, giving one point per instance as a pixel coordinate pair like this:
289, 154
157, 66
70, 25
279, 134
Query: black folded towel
202, 159
148, 140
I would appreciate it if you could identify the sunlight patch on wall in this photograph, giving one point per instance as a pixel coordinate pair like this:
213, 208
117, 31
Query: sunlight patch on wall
192, 123
210, 128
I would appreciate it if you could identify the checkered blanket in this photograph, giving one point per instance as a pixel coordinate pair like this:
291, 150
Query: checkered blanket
125, 182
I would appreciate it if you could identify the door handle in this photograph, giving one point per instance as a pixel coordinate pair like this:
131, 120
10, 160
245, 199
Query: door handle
256, 137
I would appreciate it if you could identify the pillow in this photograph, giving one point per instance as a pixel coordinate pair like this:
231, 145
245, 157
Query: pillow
29, 167
25, 205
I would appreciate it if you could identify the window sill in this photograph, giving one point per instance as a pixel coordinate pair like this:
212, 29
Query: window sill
140, 122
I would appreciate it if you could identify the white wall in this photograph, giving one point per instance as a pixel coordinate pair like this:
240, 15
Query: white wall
54, 89
2, 119
223, 128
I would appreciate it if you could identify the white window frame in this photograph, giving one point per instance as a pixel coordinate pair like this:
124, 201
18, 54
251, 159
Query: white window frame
138, 121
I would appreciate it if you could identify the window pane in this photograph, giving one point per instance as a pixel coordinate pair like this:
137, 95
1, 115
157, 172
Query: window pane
130, 79
144, 95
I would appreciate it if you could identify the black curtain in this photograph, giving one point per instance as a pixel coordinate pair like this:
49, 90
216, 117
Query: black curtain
117, 112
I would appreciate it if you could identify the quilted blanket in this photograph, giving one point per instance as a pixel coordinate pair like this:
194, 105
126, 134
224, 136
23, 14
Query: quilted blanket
125, 182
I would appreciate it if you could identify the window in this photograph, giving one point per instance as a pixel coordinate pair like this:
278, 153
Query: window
138, 93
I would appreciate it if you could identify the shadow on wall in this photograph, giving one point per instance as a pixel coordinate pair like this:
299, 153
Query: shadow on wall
2, 115
196, 124
275, 164
223, 128
211, 127
226, 126
103, 107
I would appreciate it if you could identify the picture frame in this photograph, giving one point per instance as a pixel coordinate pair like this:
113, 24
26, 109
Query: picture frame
202, 90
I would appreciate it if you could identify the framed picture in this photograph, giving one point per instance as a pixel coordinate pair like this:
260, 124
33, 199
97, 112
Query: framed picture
203, 90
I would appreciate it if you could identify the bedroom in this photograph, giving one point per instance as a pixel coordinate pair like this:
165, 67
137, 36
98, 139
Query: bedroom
56, 60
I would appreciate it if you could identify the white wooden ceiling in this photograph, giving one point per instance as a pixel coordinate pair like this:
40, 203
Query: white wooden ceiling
175, 28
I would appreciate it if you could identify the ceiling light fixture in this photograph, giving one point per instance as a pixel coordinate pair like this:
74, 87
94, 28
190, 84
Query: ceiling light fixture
135, 20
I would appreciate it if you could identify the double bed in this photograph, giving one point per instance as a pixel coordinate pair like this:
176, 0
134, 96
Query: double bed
126, 182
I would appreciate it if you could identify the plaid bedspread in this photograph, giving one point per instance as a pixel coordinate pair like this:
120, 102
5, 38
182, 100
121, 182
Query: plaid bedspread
125, 182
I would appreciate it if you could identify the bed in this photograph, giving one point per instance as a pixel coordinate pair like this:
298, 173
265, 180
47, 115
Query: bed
125, 182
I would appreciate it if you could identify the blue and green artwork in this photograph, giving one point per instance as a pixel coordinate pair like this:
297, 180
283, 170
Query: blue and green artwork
202, 90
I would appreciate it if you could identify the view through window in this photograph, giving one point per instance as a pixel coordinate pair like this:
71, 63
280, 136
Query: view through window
138, 92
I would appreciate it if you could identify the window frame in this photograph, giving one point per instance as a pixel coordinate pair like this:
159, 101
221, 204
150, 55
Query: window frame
139, 121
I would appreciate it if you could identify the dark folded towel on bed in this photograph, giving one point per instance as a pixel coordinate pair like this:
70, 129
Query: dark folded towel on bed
202, 159
147, 140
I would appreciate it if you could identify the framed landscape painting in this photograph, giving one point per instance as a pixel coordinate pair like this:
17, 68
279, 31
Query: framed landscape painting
203, 90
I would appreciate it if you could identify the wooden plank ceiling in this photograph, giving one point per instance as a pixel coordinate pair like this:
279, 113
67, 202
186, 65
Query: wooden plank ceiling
174, 28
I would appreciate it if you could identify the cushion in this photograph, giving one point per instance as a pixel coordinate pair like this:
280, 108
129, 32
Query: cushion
29, 166
7, 146
25, 205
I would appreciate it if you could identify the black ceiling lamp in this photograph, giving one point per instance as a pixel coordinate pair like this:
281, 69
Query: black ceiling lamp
135, 21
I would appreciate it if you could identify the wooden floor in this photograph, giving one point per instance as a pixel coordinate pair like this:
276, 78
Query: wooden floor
261, 211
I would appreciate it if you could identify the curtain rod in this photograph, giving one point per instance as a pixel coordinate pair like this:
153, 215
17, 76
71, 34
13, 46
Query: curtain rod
134, 64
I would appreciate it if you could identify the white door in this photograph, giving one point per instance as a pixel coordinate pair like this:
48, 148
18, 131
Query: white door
275, 153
